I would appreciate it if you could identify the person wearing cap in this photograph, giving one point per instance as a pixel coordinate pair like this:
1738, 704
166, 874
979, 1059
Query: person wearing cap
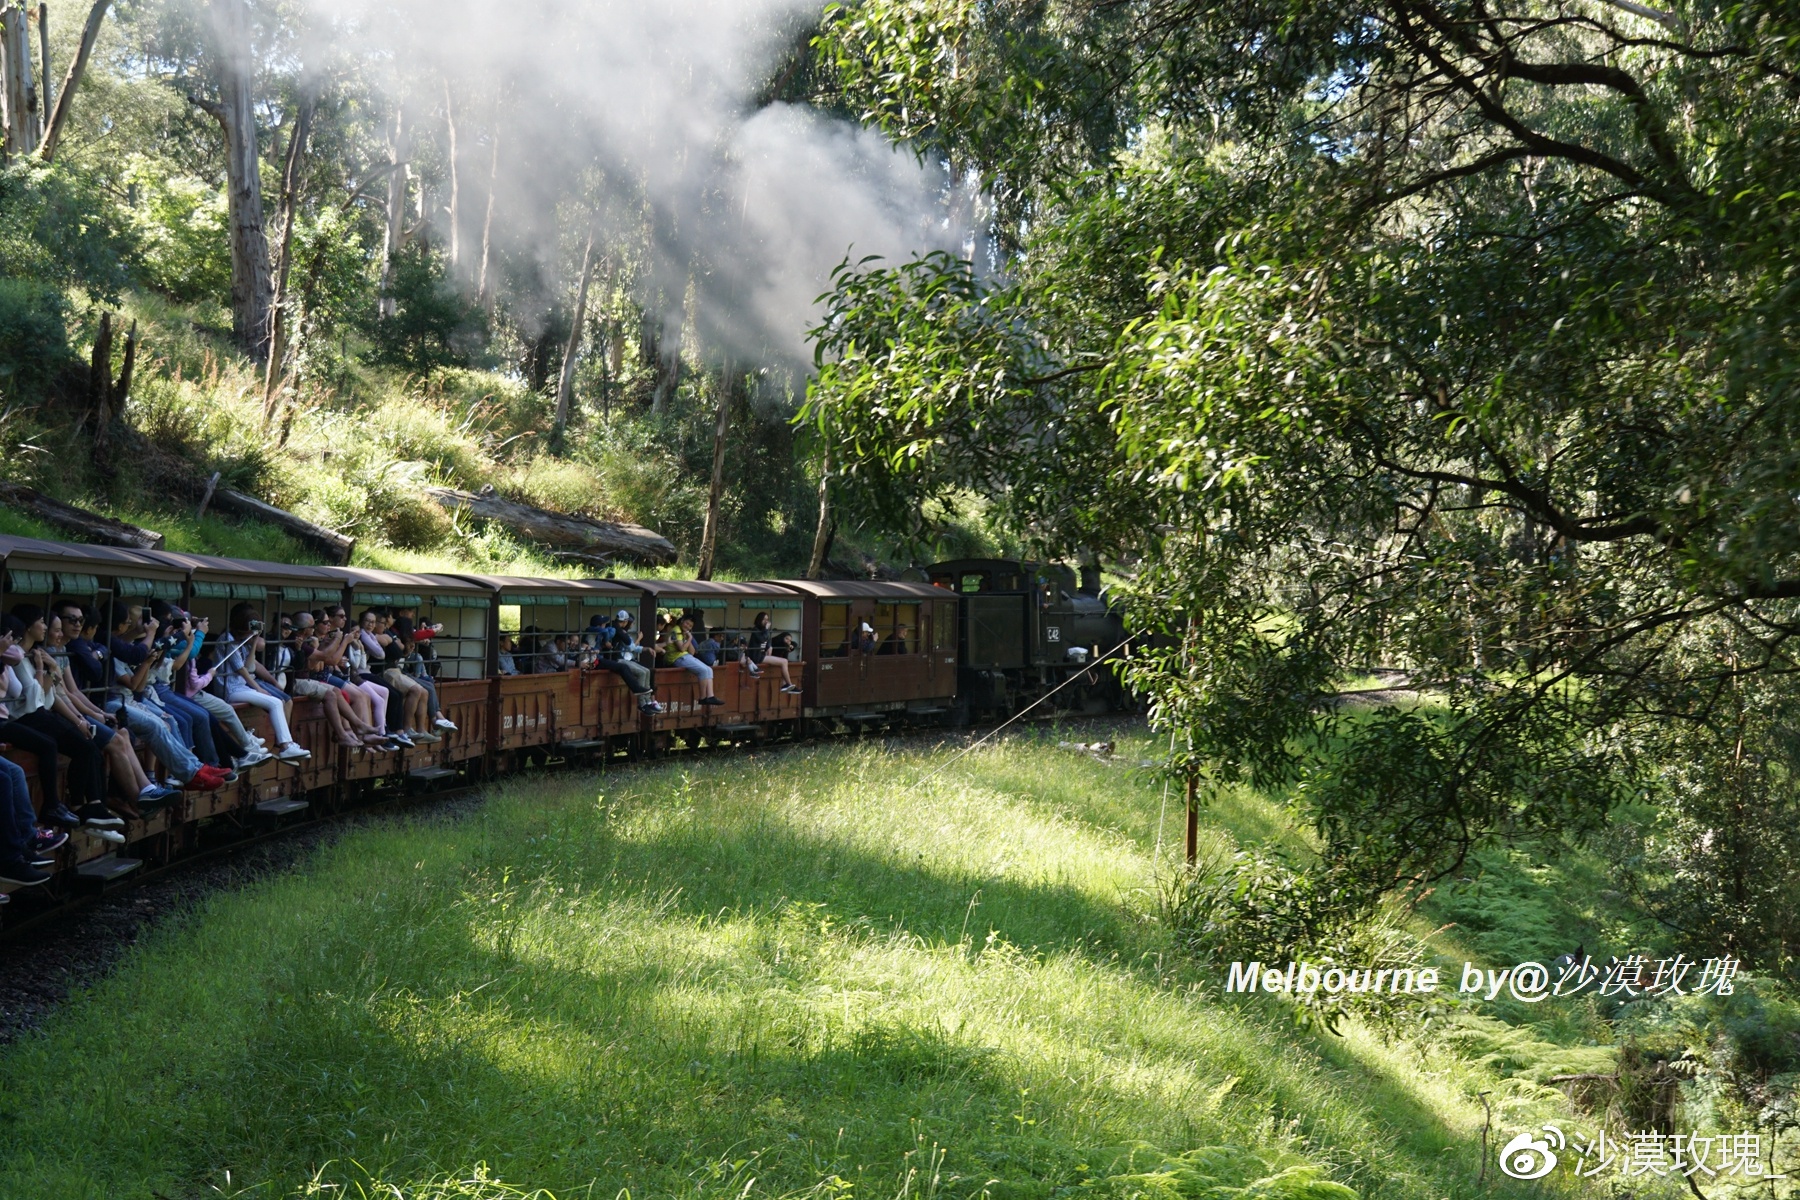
310, 663
618, 649
182, 639
865, 638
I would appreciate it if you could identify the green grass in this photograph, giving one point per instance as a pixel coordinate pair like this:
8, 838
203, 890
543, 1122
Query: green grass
803, 972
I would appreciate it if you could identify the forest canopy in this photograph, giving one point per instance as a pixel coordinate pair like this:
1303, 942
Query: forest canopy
1451, 337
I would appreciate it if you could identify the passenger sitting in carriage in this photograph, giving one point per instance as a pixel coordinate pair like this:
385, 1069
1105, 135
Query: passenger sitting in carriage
707, 648
556, 656
761, 649
679, 651
618, 652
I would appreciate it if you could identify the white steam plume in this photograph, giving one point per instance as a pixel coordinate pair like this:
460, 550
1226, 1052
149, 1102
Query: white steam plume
651, 104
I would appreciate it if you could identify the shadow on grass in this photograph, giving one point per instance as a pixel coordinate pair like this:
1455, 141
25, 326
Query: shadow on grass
449, 1051
425, 1021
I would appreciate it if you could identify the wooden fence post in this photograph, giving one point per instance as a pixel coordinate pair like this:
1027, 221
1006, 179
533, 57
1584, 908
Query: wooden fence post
1193, 817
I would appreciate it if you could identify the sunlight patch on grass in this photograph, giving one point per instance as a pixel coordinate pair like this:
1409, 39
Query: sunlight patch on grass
812, 963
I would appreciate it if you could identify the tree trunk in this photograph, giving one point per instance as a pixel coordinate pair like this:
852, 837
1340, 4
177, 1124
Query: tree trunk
455, 213
560, 529
541, 352
487, 222
284, 258
99, 396
252, 284
44, 99
121, 388
22, 114
729, 384
565, 388
399, 151
822, 536
65, 99
91, 527
72, 80
668, 362
335, 547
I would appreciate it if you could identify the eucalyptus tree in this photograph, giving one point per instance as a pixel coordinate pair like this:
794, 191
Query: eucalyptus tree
1456, 335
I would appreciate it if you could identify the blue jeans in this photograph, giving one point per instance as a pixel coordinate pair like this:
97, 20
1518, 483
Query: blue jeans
195, 722
18, 823
148, 726
636, 677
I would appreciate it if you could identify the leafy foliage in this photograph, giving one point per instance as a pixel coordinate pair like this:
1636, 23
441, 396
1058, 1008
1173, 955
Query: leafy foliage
34, 339
1437, 337
434, 324
1253, 905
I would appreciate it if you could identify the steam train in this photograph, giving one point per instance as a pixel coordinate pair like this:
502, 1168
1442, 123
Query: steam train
961, 641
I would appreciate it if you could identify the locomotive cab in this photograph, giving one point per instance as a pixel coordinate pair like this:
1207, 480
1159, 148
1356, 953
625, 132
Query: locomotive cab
1026, 629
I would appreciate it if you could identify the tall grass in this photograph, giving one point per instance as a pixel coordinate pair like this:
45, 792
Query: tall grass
769, 976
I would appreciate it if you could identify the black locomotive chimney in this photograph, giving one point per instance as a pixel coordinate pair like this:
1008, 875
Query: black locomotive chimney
1090, 579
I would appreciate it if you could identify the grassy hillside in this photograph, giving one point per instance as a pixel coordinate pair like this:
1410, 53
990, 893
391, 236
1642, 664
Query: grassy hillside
355, 453
816, 972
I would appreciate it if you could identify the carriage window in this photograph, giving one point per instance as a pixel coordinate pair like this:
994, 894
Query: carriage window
971, 583
834, 630
903, 629
944, 628
459, 651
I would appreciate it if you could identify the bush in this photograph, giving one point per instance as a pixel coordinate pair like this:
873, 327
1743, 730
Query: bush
434, 325
57, 227
34, 340
184, 231
1250, 905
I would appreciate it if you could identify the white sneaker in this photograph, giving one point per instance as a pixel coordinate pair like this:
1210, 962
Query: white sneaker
251, 759
293, 753
110, 836
445, 723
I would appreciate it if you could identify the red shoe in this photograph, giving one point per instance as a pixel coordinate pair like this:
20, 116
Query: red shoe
204, 780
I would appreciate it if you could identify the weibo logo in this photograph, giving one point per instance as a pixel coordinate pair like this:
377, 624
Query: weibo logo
1527, 1158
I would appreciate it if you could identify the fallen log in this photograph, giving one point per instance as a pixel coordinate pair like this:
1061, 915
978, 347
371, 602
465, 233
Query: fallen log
560, 529
335, 547
89, 527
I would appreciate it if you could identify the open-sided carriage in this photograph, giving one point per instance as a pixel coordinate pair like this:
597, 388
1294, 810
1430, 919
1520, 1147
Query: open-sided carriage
754, 708
886, 652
